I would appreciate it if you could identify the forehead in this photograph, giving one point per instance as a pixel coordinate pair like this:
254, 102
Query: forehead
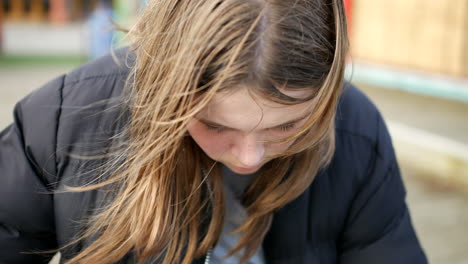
240, 109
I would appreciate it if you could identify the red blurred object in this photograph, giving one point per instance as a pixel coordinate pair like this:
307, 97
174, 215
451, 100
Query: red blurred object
58, 11
349, 8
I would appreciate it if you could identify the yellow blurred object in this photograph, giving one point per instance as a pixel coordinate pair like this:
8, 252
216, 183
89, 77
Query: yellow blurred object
37, 12
2, 14
17, 10
421, 34
77, 9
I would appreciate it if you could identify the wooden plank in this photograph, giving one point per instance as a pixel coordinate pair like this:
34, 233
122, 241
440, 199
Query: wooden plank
16, 10
464, 57
366, 29
438, 47
454, 18
77, 9
37, 12
2, 16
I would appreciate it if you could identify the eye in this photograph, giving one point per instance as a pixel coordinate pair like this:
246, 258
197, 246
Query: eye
286, 127
214, 128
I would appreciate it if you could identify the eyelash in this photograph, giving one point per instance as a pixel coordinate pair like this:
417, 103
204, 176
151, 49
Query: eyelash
286, 127
219, 129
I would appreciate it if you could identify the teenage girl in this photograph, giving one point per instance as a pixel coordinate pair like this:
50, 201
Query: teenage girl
223, 134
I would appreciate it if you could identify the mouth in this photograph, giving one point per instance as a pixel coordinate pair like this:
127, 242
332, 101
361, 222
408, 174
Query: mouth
244, 170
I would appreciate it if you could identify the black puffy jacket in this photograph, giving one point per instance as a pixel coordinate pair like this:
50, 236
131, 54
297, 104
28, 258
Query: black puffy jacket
353, 213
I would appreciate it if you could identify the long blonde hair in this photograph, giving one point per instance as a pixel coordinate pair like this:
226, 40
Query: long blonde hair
169, 204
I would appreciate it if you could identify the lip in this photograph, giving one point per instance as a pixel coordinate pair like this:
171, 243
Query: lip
243, 170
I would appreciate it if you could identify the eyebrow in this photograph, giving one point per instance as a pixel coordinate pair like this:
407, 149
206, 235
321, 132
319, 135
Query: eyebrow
277, 126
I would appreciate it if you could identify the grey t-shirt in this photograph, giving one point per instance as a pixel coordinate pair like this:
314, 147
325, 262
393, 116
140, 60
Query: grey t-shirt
234, 186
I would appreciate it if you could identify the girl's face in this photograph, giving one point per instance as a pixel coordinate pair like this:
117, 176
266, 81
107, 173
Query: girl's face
236, 128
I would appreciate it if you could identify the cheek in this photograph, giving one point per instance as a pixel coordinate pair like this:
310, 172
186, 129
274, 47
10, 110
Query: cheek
213, 144
277, 149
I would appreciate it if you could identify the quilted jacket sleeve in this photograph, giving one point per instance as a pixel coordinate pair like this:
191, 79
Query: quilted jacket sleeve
379, 228
27, 174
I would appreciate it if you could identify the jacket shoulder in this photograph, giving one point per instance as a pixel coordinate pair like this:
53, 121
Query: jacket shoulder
97, 80
357, 115
93, 106
362, 136
116, 63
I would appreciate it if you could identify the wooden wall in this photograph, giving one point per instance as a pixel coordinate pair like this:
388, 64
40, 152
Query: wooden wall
430, 35
55, 11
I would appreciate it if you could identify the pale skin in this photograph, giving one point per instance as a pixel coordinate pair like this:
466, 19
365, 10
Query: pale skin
237, 128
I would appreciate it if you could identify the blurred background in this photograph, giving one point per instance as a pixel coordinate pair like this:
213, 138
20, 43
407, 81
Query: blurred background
409, 56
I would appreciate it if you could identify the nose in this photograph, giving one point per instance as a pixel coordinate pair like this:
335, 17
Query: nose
248, 150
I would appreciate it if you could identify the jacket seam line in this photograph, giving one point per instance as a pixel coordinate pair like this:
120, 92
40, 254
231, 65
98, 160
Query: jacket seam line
369, 170
379, 186
370, 140
373, 142
71, 82
396, 220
